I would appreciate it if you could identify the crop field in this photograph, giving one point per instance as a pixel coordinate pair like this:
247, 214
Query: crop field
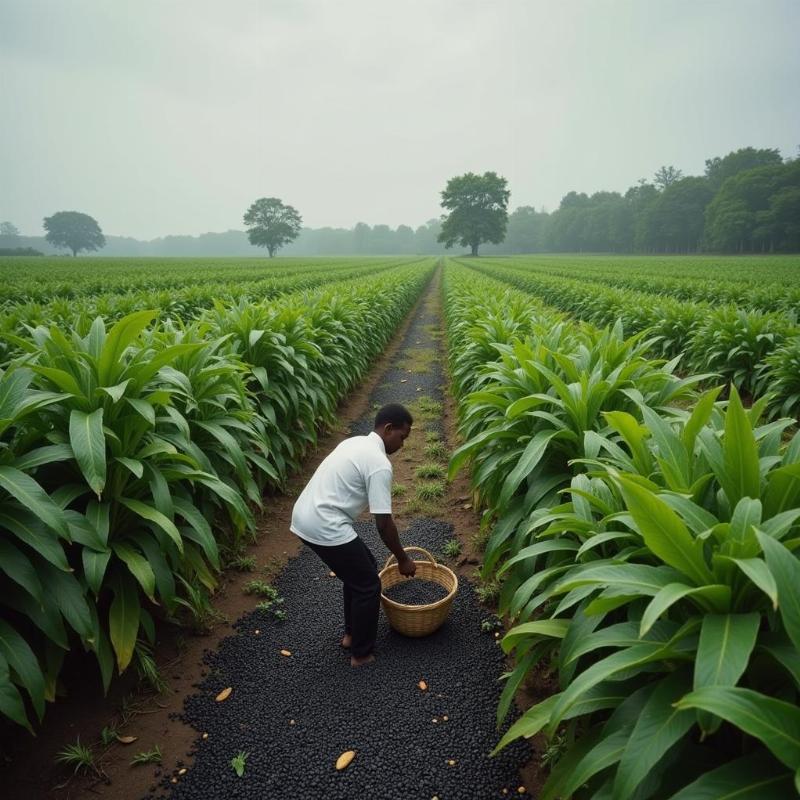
127, 434
623, 450
642, 531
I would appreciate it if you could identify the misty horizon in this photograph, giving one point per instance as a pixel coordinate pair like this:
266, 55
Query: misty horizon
185, 114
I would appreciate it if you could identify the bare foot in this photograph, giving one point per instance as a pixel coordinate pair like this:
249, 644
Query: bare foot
347, 641
359, 662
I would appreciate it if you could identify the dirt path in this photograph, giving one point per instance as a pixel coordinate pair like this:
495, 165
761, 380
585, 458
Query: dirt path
411, 371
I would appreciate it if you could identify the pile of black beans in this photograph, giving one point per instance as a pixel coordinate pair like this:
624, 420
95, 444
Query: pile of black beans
416, 592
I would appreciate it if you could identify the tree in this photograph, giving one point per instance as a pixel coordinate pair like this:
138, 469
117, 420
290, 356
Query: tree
478, 210
74, 230
718, 170
272, 224
666, 176
9, 229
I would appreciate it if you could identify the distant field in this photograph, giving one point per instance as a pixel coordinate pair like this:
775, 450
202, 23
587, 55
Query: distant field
36, 291
734, 317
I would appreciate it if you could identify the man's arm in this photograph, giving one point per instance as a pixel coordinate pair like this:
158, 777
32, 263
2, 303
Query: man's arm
388, 531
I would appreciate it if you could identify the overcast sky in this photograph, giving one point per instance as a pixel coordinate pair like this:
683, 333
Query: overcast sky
160, 116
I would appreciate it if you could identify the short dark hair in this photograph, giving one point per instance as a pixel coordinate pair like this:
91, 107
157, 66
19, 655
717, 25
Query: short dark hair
395, 413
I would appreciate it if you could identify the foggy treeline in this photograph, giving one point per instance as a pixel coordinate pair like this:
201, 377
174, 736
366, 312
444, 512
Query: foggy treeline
746, 201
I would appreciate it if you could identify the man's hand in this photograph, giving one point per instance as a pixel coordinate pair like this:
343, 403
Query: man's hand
407, 567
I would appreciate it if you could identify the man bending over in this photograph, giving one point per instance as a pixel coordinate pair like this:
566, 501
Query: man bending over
357, 474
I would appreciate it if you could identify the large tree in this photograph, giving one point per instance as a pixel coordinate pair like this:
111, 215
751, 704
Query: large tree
9, 229
74, 230
272, 224
478, 206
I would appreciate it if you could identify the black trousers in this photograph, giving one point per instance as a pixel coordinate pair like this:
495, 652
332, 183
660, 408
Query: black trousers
356, 567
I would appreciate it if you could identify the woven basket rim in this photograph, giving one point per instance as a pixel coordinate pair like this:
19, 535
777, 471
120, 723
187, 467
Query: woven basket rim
428, 606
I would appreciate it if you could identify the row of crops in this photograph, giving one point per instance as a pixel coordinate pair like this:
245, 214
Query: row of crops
644, 536
757, 351
76, 296
766, 284
134, 452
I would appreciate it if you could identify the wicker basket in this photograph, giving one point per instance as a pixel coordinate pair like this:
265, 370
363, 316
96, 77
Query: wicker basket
418, 620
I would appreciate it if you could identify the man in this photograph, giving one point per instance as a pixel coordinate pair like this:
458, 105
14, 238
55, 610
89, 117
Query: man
357, 474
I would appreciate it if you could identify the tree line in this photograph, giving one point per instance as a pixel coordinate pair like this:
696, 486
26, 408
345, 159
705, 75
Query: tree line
747, 201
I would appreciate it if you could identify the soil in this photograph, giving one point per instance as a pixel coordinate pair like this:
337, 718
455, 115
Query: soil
30, 770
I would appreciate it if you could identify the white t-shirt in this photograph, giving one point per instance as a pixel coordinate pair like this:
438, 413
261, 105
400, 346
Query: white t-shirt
355, 475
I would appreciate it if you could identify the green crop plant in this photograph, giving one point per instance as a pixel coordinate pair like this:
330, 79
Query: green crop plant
261, 589
238, 763
687, 584
430, 471
646, 547
452, 548
78, 756
242, 563
430, 490
436, 451
151, 756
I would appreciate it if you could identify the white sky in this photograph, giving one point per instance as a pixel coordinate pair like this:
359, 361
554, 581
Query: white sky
160, 116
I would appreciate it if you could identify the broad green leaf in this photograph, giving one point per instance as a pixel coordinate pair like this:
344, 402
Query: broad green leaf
133, 465
11, 703
555, 628
19, 569
117, 341
94, 567
88, 442
32, 497
775, 722
123, 619
531, 456
740, 453
716, 595
529, 724
151, 514
69, 596
139, 567
664, 533
637, 578
621, 661
758, 572
754, 777
659, 726
723, 652
785, 569
21, 659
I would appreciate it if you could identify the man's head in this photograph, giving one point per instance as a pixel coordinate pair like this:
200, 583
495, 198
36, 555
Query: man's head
393, 423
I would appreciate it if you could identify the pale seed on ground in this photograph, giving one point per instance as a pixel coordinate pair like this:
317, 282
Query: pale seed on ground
174, 780
257, 632
422, 685
445, 717
286, 652
451, 762
205, 736
224, 694
435, 720
182, 771
332, 574
127, 739
345, 758
521, 790
291, 722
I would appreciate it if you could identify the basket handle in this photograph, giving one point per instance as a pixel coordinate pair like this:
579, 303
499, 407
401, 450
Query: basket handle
410, 547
